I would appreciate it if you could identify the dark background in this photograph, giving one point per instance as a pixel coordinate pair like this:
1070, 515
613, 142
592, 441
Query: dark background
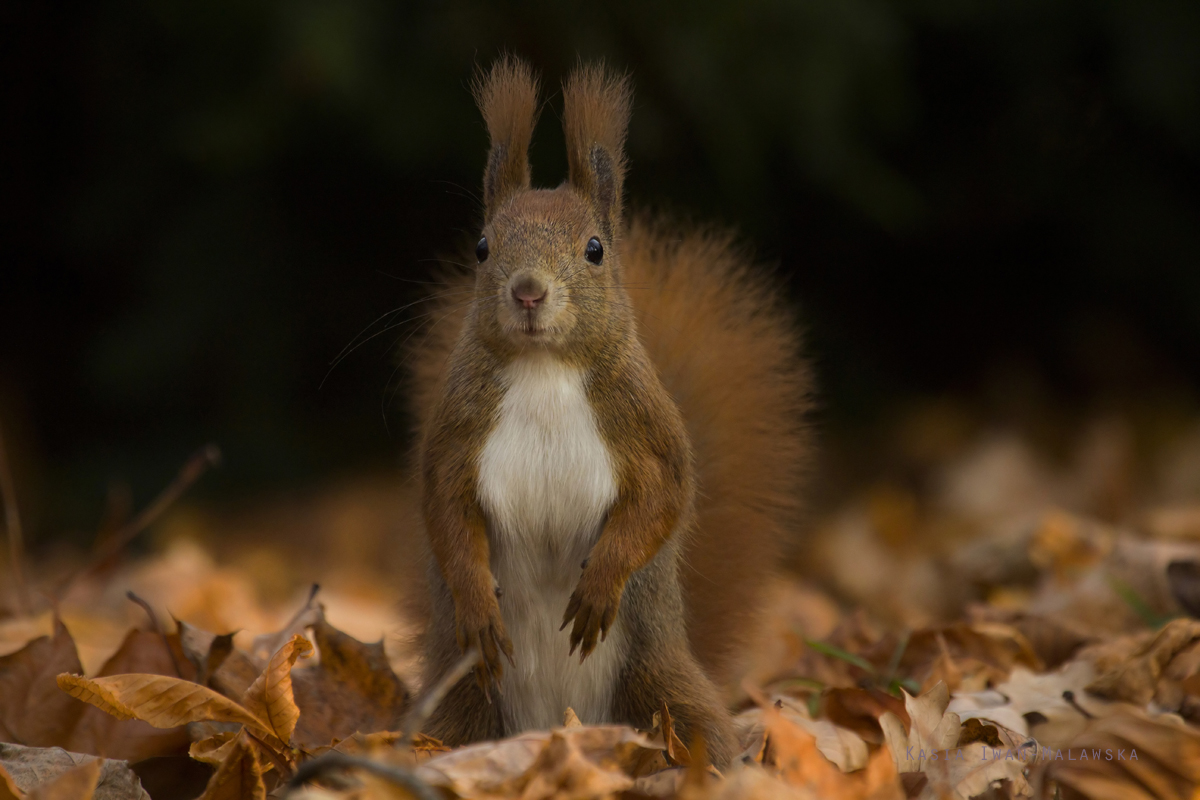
205, 201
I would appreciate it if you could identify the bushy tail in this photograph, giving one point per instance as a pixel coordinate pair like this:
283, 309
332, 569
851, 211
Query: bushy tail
728, 349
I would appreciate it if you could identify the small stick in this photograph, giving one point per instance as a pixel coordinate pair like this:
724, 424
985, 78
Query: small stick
193, 468
157, 629
425, 707
16, 539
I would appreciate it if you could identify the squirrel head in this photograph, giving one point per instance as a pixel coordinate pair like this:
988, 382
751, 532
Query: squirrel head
549, 273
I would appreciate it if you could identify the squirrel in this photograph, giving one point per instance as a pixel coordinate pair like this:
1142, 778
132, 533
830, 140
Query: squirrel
612, 443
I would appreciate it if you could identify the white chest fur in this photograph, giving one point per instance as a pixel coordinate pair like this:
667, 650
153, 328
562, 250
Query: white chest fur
546, 482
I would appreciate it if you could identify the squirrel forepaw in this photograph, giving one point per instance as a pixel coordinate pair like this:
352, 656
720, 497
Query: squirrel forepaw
593, 617
490, 639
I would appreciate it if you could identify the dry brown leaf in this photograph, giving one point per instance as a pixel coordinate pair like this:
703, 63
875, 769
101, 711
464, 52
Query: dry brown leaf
76, 784
563, 771
859, 710
101, 734
162, 701
31, 767
205, 651
1134, 677
677, 753
270, 698
32, 709
8, 789
507, 767
352, 688
794, 753
842, 746
968, 656
240, 776
1129, 755
950, 766
215, 749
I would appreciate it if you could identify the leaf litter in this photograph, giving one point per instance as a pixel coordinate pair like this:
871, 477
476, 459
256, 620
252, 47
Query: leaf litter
994, 622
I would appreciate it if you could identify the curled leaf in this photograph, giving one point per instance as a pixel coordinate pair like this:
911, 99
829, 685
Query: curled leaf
270, 697
215, 749
240, 776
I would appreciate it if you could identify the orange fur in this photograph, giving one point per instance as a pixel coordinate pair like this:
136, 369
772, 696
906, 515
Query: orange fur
699, 393
728, 350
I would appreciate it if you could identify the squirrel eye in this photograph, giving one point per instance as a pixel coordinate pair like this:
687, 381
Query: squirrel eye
481, 250
595, 251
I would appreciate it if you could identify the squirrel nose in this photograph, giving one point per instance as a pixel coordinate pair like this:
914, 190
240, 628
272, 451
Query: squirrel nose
529, 293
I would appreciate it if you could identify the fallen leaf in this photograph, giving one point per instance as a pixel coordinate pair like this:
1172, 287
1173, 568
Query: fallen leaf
270, 697
508, 766
1133, 677
215, 749
563, 771
162, 701
101, 734
1129, 755
936, 747
33, 711
31, 767
859, 710
842, 746
75, 784
351, 688
8, 789
240, 776
794, 753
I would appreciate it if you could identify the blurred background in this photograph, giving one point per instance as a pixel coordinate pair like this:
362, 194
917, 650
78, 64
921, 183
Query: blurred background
987, 214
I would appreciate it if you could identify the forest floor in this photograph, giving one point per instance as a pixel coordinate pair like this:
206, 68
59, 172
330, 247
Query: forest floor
1005, 615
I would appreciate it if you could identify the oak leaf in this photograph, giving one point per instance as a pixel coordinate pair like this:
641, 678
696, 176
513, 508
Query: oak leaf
351, 688
948, 766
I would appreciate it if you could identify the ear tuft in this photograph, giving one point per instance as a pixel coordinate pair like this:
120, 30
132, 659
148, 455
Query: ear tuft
508, 99
596, 105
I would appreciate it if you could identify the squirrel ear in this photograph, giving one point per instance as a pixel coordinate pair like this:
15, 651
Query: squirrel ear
508, 98
596, 106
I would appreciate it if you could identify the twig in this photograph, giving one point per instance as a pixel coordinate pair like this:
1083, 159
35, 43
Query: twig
429, 702
335, 761
157, 629
199, 463
16, 539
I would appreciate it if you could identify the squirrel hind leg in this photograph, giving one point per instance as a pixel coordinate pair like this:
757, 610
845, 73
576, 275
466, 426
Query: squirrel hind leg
465, 715
691, 698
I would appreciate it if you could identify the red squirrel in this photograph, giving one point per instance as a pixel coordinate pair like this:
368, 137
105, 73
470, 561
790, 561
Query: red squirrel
612, 443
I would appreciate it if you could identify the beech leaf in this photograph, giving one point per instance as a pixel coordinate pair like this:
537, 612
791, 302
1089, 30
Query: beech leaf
162, 701
270, 697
